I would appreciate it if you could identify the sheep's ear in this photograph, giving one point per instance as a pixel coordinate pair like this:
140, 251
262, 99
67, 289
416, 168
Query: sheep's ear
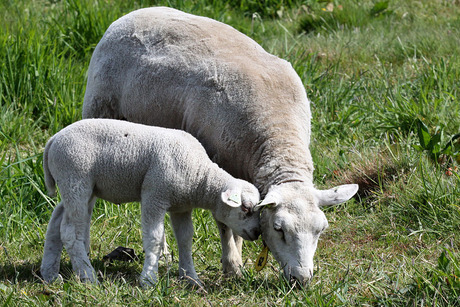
271, 199
232, 197
336, 195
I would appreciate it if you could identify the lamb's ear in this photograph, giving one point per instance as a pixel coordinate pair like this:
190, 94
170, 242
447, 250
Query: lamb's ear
232, 197
336, 195
272, 198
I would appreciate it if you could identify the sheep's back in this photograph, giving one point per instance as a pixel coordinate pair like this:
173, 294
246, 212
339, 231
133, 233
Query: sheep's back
163, 67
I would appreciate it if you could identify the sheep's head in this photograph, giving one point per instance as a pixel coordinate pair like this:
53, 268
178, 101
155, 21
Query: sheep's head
237, 210
291, 222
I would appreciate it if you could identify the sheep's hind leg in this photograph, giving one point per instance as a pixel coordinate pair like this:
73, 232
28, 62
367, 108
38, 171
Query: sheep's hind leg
183, 230
231, 250
74, 229
53, 246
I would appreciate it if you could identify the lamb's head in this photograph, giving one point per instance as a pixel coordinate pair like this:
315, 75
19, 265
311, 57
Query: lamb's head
236, 209
291, 222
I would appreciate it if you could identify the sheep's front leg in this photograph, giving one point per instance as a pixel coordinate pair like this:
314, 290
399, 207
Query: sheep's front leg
183, 231
152, 237
53, 246
74, 229
231, 250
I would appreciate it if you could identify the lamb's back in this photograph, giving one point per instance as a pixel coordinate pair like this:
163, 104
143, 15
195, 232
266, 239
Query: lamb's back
115, 156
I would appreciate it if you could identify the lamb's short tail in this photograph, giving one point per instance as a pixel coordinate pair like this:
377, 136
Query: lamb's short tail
49, 180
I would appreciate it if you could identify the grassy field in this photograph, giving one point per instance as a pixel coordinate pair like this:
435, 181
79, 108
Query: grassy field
384, 80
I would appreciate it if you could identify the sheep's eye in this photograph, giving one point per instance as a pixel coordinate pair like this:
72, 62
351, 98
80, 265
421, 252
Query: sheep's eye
324, 228
321, 230
279, 230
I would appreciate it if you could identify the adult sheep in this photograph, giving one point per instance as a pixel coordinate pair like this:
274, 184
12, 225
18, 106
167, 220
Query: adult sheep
160, 66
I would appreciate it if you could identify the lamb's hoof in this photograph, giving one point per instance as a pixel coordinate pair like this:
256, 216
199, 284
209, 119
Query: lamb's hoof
147, 281
87, 276
52, 278
88, 280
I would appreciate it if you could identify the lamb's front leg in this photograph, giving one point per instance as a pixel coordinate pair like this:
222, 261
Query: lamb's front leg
183, 231
152, 236
231, 250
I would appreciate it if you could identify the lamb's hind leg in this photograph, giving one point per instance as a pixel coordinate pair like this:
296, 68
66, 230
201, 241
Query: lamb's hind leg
53, 246
74, 230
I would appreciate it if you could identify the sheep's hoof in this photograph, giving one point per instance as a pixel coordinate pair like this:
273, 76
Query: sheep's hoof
232, 269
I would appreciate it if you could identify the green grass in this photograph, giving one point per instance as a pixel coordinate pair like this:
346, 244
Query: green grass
372, 70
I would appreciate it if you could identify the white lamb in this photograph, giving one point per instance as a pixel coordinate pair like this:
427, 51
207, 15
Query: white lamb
164, 169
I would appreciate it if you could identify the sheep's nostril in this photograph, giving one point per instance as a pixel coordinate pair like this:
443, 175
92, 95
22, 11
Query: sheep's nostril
295, 282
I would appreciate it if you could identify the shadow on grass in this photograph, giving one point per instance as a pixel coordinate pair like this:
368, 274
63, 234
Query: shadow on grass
119, 273
20, 272
29, 272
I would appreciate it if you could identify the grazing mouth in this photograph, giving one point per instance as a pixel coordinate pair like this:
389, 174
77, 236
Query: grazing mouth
299, 280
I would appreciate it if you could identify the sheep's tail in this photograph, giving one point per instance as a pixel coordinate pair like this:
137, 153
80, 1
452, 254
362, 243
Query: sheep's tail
50, 183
